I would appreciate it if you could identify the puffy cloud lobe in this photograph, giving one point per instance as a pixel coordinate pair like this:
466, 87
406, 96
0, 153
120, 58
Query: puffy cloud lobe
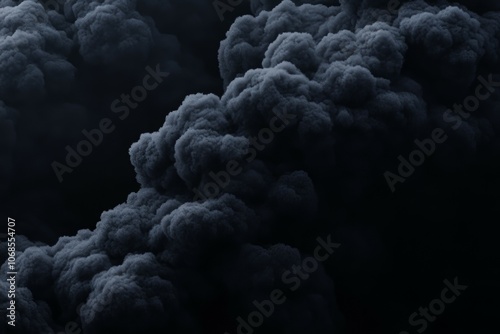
198, 150
250, 37
295, 48
110, 33
33, 52
451, 34
194, 227
344, 83
129, 296
262, 94
381, 50
200, 113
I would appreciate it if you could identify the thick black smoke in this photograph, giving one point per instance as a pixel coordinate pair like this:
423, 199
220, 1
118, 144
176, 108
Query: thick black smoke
354, 84
62, 64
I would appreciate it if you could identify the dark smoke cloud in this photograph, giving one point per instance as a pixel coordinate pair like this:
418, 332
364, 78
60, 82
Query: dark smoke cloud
361, 87
60, 69
259, 5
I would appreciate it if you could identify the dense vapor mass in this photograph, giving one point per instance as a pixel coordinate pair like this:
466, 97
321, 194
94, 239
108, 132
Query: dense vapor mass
61, 67
361, 83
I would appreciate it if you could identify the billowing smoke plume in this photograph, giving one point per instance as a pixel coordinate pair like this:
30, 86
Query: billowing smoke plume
62, 64
319, 101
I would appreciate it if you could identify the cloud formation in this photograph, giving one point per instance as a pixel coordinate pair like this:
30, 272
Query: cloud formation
362, 86
62, 66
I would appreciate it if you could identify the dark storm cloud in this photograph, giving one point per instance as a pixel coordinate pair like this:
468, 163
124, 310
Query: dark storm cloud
360, 89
